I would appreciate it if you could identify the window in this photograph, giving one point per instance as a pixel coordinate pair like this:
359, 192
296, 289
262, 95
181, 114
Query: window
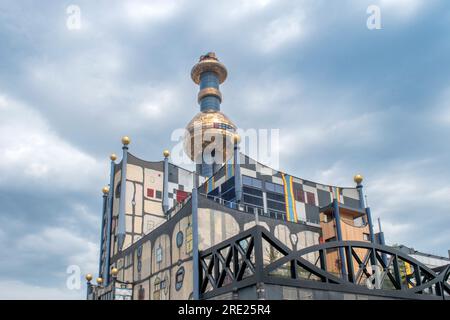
159, 254
366, 237
252, 191
310, 198
274, 187
179, 277
275, 197
276, 205
181, 195
249, 181
300, 195
189, 239
256, 201
141, 293
157, 289
117, 193
150, 193
180, 237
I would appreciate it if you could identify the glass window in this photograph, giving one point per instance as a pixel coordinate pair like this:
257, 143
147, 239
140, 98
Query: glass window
274, 187
179, 277
179, 238
141, 294
159, 254
157, 289
249, 181
117, 193
246, 180
279, 188
310, 198
189, 239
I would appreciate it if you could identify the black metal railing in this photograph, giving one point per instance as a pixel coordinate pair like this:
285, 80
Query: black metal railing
256, 256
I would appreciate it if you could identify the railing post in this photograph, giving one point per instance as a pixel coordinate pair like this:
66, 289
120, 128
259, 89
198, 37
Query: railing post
195, 245
259, 262
349, 258
337, 219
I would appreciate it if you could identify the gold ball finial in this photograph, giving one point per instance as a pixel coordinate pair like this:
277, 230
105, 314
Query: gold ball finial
105, 190
114, 272
88, 277
126, 140
358, 179
99, 280
166, 153
236, 138
113, 157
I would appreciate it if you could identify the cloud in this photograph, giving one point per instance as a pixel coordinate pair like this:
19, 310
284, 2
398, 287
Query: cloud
145, 11
34, 155
18, 290
345, 100
280, 32
402, 8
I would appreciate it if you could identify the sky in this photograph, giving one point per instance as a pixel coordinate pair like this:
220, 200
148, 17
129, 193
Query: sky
347, 99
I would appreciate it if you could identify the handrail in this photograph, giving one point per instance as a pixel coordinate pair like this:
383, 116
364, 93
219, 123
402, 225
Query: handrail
251, 209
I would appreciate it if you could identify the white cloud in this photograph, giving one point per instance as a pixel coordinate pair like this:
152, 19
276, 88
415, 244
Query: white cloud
156, 101
280, 32
402, 8
18, 290
32, 154
150, 11
59, 241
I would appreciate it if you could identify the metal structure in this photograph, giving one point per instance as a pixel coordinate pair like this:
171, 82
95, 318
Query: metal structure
255, 256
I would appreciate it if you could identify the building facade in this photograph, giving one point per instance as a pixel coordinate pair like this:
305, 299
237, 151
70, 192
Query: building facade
237, 229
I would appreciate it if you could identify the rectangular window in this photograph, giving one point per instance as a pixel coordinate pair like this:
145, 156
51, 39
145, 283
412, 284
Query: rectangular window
310, 198
274, 187
276, 205
249, 181
366, 237
150, 193
275, 197
159, 254
189, 240
252, 191
300, 195
253, 200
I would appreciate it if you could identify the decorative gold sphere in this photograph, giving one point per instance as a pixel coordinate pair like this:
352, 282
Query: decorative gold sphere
236, 138
209, 129
166, 153
114, 272
126, 140
88, 277
113, 157
99, 281
358, 179
105, 190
